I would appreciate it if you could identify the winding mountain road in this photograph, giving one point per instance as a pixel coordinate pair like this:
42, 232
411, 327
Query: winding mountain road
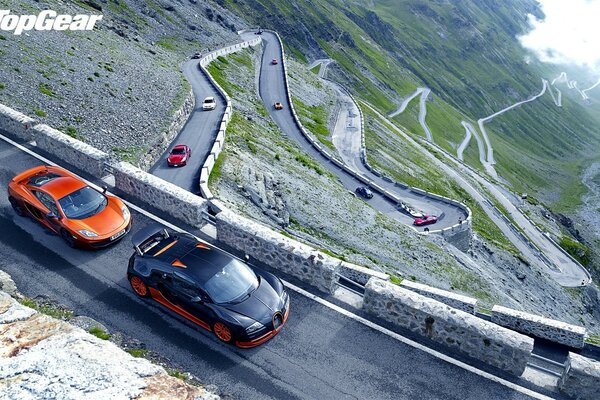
199, 133
272, 89
424, 92
323, 352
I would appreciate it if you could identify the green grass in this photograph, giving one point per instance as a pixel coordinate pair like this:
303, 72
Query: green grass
46, 89
395, 280
314, 118
99, 333
177, 373
217, 71
577, 250
168, 43
593, 339
2, 86
243, 132
217, 170
316, 69
308, 162
39, 113
332, 254
54, 312
129, 154
138, 353
71, 131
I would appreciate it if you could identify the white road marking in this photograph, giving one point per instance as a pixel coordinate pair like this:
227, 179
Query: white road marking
416, 345
324, 302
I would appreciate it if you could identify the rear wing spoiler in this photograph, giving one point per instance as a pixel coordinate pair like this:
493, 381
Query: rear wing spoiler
146, 233
30, 172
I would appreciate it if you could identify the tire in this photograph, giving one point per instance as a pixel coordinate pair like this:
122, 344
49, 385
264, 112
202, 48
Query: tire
68, 238
139, 287
15, 205
223, 332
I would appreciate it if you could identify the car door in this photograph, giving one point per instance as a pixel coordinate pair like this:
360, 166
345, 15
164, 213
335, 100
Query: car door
191, 298
48, 214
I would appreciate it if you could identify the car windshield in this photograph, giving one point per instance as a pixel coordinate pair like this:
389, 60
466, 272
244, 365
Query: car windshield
234, 281
208, 101
83, 203
178, 151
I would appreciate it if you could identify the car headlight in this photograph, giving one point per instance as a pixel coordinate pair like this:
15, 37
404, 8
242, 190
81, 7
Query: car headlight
125, 211
87, 233
286, 300
257, 326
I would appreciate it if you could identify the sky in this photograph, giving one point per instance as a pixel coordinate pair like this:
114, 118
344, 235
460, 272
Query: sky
569, 33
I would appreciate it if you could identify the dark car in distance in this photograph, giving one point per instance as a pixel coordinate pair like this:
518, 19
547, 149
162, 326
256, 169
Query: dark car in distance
364, 192
240, 303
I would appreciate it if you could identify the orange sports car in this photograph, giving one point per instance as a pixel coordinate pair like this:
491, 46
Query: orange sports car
66, 205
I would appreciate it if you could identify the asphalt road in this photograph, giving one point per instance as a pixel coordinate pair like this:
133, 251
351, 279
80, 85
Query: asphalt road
199, 133
346, 137
272, 89
319, 354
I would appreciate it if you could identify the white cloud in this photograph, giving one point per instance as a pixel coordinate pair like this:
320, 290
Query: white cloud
569, 33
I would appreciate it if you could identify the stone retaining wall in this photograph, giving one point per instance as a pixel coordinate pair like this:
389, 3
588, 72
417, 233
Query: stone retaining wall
477, 338
158, 193
73, 151
278, 251
581, 378
360, 274
164, 140
545, 328
15, 123
464, 303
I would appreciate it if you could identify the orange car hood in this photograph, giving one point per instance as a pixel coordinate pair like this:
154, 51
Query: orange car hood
106, 221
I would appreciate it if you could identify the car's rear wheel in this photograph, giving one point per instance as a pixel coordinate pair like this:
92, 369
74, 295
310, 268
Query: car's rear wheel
138, 286
68, 238
222, 332
15, 205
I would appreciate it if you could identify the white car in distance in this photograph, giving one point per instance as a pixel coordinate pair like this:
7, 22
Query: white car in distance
209, 103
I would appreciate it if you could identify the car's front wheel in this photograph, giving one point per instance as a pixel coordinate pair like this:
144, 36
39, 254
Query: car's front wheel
222, 332
15, 205
67, 237
138, 286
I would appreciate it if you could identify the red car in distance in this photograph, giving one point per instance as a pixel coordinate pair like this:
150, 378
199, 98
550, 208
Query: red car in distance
425, 220
179, 156
274, 61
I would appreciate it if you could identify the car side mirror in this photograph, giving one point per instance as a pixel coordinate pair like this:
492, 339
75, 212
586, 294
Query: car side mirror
197, 299
51, 215
104, 188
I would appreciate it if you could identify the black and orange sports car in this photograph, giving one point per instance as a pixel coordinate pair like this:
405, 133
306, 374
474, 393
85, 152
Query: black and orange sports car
66, 205
240, 303
278, 106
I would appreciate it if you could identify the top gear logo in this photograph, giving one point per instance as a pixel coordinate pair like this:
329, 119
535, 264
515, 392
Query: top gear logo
46, 20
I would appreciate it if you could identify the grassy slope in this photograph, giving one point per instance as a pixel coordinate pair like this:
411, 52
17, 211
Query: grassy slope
467, 54
345, 225
406, 164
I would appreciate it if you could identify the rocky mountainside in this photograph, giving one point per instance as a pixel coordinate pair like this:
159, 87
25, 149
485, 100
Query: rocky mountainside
468, 54
117, 86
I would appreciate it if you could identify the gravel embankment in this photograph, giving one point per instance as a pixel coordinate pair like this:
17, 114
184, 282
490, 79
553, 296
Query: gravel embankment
115, 87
